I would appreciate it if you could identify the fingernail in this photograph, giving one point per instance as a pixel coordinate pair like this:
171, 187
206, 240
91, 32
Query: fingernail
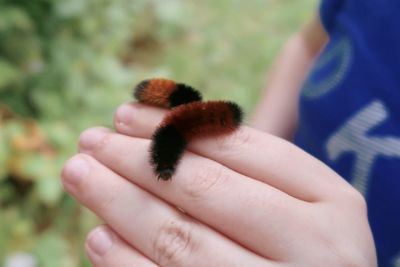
75, 169
91, 137
100, 241
124, 114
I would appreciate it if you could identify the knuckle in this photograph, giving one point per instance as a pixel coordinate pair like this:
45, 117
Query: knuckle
241, 137
350, 258
354, 198
203, 180
338, 255
359, 200
173, 243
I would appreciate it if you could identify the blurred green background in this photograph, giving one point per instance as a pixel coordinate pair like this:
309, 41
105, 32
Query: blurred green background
66, 65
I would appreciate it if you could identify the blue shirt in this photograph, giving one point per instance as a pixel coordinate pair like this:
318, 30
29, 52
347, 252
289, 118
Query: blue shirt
349, 110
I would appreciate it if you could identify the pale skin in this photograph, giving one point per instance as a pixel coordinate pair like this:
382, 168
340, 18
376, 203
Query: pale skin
246, 199
276, 113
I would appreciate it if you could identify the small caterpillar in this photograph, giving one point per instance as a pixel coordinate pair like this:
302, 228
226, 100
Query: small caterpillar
188, 119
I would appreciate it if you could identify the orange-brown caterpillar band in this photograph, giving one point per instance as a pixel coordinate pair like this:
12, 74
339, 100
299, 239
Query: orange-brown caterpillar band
165, 93
188, 119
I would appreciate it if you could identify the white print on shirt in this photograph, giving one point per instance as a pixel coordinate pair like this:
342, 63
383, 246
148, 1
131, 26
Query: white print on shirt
338, 58
353, 137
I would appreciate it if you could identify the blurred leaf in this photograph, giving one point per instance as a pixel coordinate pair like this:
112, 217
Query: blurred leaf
49, 190
9, 74
22, 228
13, 128
71, 8
52, 250
14, 18
4, 154
59, 133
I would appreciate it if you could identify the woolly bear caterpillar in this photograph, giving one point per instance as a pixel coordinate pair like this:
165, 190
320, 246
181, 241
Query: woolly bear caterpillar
188, 119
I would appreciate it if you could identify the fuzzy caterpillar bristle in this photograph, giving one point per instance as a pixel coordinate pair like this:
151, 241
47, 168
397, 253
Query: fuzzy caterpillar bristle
188, 119
165, 93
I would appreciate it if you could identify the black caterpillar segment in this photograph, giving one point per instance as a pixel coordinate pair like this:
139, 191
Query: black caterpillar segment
183, 94
237, 113
137, 93
166, 149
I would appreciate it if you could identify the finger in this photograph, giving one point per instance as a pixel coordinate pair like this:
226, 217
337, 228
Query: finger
106, 249
253, 153
209, 192
159, 231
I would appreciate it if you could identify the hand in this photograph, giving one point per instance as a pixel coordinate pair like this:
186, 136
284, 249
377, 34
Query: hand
246, 199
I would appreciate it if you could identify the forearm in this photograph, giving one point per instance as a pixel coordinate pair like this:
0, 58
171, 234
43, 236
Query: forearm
276, 112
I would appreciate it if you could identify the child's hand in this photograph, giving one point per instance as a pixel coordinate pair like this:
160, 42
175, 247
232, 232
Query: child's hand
246, 199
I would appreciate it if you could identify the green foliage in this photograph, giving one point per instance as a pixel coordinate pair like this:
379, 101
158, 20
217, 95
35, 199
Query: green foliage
52, 250
66, 65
